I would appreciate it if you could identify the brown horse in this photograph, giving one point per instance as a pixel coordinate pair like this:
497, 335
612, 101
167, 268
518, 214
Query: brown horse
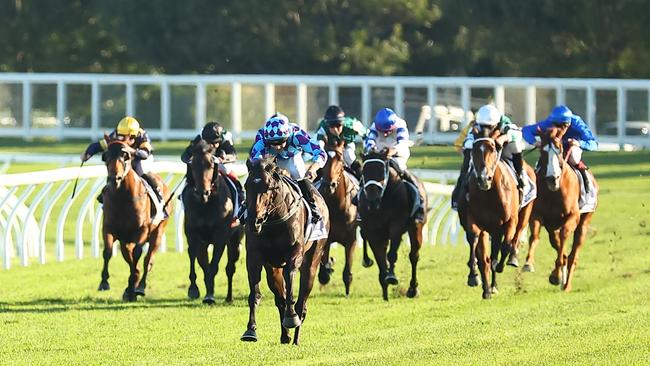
492, 213
127, 218
337, 190
385, 209
557, 208
209, 209
277, 239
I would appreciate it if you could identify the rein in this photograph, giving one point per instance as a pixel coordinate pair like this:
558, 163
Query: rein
295, 205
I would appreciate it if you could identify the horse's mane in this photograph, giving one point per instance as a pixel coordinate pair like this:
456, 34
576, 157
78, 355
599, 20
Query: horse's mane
267, 163
201, 146
373, 154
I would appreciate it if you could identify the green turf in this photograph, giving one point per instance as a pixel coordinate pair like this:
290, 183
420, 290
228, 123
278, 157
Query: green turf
51, 314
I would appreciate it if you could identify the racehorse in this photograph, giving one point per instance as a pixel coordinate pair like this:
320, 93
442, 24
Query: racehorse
337, 189
209, 209
557, 207
492, 213
277, 238
385, 208
127, 218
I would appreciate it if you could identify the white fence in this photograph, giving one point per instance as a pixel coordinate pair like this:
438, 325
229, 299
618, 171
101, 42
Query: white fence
175, 107
36, 210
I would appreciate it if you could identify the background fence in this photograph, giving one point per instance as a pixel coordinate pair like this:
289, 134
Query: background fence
175, 107
38, 218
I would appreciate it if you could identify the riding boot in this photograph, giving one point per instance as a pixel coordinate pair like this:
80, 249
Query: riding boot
461, 178
419, 210
153, 182
517, 162
582, 168
241, 215
356, 169
307, 189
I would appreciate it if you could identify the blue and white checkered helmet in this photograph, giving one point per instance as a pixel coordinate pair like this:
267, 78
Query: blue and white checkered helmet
277, 128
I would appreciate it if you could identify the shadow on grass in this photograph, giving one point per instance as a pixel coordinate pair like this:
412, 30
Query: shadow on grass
57, 305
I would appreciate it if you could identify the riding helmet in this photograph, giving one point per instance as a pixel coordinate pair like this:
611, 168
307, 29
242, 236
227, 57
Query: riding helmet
386, 120
128, 126
561, 114
334, 115
212, 132
276, 128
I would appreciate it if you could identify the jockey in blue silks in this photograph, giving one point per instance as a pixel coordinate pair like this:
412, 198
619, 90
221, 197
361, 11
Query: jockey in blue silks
577, 138
287, 142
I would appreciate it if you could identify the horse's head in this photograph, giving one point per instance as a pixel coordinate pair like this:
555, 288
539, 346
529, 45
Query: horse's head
485, 160
203, 169
551, 159
118, 162
332, 172
374, 177
261, 186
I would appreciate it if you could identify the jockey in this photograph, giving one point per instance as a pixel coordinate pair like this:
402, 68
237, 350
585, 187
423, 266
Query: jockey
221, 139
287, 142
129, 131
390, 131
488, 120
336, 126
578, 137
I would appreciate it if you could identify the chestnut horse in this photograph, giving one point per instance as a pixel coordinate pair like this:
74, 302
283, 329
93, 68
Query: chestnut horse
278, 240
127, 218
492, 213
557, 208
385, 208
337, 190
209, 209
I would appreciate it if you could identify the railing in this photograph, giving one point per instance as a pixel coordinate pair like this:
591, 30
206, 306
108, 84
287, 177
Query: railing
36, 209
175, 107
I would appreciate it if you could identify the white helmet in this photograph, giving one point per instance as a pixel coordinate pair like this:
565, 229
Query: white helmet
488, 115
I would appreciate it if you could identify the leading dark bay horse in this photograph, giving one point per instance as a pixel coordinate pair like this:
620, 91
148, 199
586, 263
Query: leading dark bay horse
209, 208
385, 208
127, 218
337, 189
277, 238
492, 213
557, 207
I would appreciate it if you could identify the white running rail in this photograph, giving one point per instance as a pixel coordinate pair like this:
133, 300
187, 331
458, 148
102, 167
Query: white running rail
34, 204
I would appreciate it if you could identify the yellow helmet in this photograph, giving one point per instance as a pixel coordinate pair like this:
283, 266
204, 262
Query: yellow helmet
128, 126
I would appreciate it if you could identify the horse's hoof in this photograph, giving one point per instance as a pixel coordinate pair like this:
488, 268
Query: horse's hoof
473, 281
391, 279
513, 261
249, 336
529, 267
129, 296
554, 279
139, 292
324, 276
487, 295
367, 262
291, 322
104, 286
499, 267
285, 339
209, 300
494, 290
412, 292
193, 293
229, 300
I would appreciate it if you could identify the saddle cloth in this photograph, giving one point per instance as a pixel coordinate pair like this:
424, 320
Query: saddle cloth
587, 201
312, 231
157, 214
530, 190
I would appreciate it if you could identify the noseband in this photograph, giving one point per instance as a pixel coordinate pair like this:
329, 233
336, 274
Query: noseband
373, 182
125, 164
496, 161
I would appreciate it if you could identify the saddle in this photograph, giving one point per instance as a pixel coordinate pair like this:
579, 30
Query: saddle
157, 210
530, 189
587, 201
312, 231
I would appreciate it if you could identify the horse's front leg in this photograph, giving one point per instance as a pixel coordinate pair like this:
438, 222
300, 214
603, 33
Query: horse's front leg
275, 281
192, 248
391, 278
291, 318
109, 240
307, 274
535, 227
349, 254
484, 262
131, 251
254, 268
155, 238
473, 278
212, 273
554, 239
325, 268
379, 248
578, 240
415, 236
233, 256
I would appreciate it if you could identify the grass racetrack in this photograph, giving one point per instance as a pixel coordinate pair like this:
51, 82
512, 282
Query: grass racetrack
52, 313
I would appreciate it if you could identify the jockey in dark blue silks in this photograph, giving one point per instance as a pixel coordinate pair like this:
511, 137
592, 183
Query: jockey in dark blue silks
287, 142
577, 138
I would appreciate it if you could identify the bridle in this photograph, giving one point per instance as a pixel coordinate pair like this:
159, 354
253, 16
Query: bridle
496, 161
384, 182
336, 181
125, 164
